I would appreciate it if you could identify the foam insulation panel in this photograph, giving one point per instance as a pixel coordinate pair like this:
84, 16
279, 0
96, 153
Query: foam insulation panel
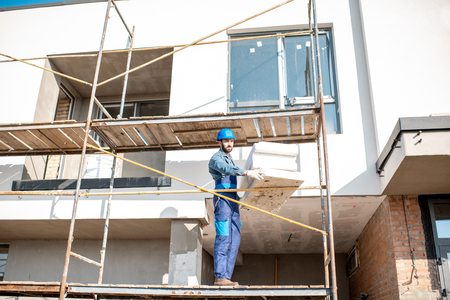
278, 161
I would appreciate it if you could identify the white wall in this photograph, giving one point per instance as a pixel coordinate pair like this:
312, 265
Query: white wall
407, 48
401, 64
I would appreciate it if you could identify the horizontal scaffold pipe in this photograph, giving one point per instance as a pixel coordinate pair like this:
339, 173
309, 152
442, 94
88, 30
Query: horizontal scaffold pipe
63, 193
210, 191
257, 37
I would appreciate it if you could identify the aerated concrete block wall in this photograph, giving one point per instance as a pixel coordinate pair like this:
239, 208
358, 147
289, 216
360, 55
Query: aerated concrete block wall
291, 269
127, 261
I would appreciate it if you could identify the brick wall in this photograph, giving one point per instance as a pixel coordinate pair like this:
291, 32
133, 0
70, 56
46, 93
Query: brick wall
386, 270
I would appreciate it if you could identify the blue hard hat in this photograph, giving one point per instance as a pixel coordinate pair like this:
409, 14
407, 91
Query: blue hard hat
225, 134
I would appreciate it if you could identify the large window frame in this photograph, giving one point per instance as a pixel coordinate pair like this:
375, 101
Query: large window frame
441, 235
274, 70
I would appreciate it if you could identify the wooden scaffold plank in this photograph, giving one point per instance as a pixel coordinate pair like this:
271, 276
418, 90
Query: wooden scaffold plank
116, 135
11, 141
81, 132
164, 135
147, 135
280, 124
309, 123
59, 138
43, 138
134, 135
30, 139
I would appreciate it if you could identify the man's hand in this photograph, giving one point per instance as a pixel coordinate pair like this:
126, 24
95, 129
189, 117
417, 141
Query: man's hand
256, 174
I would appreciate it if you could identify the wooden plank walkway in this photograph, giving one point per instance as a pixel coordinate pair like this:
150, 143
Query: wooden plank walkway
51, 289
159, 133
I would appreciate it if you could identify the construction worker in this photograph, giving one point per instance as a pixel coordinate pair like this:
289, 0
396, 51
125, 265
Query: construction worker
227, 222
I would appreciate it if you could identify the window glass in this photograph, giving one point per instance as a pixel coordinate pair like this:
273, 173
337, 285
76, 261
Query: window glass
3, 256
324, 45
254, 71
260, 68
155, 108
299, 67
114, 110
443, 228
442, 216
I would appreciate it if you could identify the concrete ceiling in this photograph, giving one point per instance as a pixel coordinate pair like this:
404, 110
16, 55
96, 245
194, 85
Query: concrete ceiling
264, 234
154, 79
261, 233
421, 175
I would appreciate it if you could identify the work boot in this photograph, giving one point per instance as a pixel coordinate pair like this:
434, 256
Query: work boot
224, 282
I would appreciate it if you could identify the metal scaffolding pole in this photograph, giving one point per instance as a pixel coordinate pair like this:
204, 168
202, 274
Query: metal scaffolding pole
331, 256
319, 149
83, 159
113, 168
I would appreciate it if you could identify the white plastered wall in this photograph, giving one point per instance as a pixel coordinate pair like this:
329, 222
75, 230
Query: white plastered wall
407, 50
199, 82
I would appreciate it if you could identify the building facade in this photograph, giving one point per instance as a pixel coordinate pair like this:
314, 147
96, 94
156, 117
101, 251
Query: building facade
385, 69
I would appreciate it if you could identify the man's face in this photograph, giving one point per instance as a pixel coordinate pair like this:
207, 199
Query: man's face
226, 145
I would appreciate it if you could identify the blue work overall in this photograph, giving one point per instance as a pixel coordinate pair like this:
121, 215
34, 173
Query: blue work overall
228, 229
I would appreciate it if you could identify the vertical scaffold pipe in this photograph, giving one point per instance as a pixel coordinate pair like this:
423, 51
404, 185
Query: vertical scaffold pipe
319, 150
325, 157
83, 158
113, 169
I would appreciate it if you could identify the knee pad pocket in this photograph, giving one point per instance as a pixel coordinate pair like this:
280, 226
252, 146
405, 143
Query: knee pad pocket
222, 227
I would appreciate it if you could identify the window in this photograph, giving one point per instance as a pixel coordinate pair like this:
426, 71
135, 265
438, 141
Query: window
440, 220
263, 71
138, 109
3, 256
135, 109
353, 260
63, 112
100, 166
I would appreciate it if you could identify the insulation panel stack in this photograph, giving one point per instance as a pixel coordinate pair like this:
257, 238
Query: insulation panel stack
278, 161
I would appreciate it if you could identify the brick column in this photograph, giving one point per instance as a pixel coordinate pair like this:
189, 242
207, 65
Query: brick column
386, 268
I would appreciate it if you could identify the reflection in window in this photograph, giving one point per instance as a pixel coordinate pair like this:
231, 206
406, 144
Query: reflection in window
263, 71
254, 71
3, 256
442, 216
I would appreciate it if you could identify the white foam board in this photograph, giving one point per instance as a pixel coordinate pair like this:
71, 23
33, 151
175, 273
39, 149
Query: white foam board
272, 161
275, 148
271, 200
283, 155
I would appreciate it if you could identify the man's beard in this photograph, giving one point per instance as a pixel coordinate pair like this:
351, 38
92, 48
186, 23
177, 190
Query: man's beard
226, 151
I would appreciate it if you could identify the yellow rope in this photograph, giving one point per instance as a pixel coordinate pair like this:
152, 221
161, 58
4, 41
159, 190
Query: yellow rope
210, 191
45, 69
166, 47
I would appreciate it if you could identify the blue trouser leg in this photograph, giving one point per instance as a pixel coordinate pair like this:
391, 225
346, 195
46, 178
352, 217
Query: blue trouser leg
235, 240
228, 236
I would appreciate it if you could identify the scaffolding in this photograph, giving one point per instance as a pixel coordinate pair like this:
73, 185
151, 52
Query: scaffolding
305, 125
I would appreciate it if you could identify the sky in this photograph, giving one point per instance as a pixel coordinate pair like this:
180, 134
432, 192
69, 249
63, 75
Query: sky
14, 3
11, 3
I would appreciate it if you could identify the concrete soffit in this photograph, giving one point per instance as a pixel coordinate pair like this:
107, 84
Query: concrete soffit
416, 158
